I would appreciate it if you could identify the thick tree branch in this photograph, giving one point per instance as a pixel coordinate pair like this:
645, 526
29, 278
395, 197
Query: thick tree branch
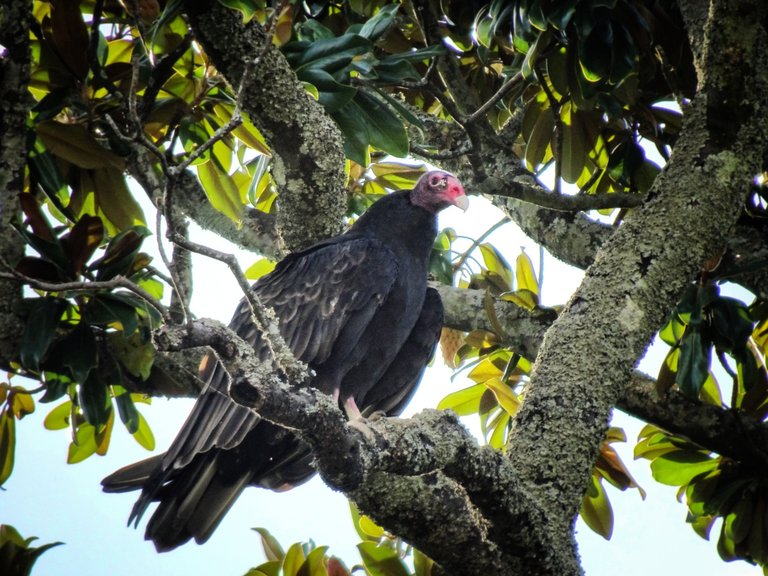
641, 271
308, 155
15, 21
523, 330
730, 433
258, 232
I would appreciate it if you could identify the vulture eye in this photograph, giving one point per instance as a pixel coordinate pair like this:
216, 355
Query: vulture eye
438, 182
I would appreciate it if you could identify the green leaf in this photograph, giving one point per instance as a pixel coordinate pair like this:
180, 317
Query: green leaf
334, 53
143, 434
376, 26
693, 365
596, 509
7, 444
135, 353
58, 418
40, 329
381, 561
293, 560
17, 557
332, 95
106, 310
221, 191
84, 445
94, 401
128, 412
56, 386
350, 119
465, 401
496, 263
272, 548
679, 467
386, 130
78, 352
43, 167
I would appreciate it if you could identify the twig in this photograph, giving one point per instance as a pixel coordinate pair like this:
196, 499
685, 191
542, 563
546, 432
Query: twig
555, 105
514, 188
89, 286
445, 155
507, 87
477, 241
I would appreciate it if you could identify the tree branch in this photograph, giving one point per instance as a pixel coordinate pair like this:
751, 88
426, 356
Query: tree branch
642, 270
308, 155
15, 101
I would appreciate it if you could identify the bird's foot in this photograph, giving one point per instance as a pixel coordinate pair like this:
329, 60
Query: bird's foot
361, 425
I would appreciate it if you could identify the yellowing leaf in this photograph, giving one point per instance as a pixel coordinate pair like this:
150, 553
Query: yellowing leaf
596, 510
74, 143
221, 191
526, 277
259, 268
115, 199
84, 444
370, 528
22, 404
496, 263
523, 298
293, 560
7, 444
463, 402
485, 370
104, 435
504, 395
58, 418
143, 434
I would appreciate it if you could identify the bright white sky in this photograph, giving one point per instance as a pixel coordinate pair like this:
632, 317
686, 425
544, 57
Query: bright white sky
47, 498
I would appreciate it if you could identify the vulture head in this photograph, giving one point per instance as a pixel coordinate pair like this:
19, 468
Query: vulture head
437, 190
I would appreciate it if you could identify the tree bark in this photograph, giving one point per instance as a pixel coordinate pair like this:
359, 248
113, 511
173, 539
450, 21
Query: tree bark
308, 156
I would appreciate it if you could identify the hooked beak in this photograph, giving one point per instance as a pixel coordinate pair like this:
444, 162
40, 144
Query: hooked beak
461, 202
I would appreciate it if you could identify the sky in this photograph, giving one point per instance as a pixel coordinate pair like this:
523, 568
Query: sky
47, 498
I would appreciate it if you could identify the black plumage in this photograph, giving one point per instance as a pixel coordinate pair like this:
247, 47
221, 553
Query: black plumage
357, 310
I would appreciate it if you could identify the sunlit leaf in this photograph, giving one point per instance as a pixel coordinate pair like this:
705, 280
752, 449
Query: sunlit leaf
496, 263
143, 434
221, 191
463, 402
526, 277
84, 444
381, 560
679, 467
272, 548
58, 418
134, 352
7, 444
596, 510
293, 560
259, 268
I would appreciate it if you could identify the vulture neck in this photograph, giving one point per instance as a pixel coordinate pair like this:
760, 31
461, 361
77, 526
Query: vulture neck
397, 222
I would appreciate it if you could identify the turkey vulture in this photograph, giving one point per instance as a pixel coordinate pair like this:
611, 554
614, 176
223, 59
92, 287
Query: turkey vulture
357, 310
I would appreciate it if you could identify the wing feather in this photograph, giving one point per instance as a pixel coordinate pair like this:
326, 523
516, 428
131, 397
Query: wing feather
396, 387
316, 308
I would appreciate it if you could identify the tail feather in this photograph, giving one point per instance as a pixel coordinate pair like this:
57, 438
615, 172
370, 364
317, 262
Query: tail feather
199, 502
131, 477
